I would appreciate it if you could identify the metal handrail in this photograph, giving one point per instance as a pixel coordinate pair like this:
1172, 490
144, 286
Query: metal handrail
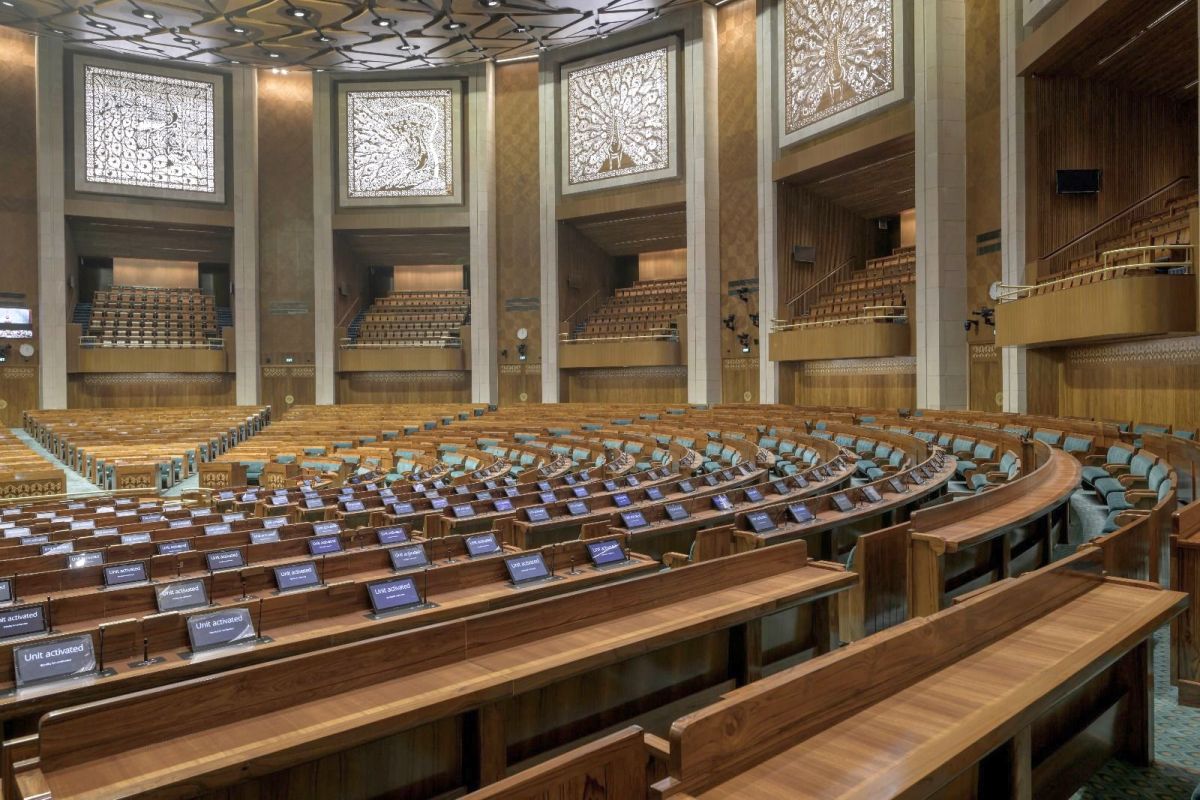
1106, 222
581, 306
1016, 289
838, 320
831, 273
670, 334
346, 343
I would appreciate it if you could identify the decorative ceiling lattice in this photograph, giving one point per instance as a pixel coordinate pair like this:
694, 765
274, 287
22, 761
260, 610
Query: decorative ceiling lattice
330, 34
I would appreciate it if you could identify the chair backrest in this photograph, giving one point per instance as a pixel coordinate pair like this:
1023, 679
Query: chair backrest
1119, 454
1077, 444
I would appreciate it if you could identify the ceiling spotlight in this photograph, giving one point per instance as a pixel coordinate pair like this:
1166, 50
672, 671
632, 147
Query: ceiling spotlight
91, 22
297, 12
235, 62
491, 3
273, 55
521, 29
383, 23
320, 37
147, 15
453, 26
7, 3
236, 29
406, 46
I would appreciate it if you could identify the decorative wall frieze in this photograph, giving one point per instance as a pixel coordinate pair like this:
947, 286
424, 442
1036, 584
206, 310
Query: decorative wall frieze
128, 378
898, 365
416, 376
1178, 350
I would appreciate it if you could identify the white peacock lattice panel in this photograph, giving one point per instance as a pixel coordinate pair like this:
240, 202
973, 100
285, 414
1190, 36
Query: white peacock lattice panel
841, 59
156, 134
619, 118
399, 144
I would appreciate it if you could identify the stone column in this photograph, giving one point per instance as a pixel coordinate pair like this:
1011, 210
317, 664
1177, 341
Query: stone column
484, 358
323, 289
52, 233
1012, 193
548, 170
940, 105
703, 211
768, 199
245, 234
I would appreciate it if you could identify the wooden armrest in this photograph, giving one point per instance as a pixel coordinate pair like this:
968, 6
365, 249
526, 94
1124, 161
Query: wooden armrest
1132, 480
1117, 469
657, 747
1093, 459
673, 560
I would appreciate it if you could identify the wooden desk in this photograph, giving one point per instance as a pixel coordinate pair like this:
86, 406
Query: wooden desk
485, 682
1017, 692
1017, 518
1185, 577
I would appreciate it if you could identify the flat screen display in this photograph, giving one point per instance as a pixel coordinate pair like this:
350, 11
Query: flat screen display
526, 567
843, 502
121, 574
482, 544
408, 557
605, 551
633, 519
393, 535
320, 545
721, 503
224, 559
296, 576
537, 514
799, 513
393, 594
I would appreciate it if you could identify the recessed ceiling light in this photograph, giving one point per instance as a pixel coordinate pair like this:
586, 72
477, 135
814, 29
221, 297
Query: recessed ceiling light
321, 38
297, 12
452, 25
491, 3
91, 22
521, 29
383, 23
235, 62
406, 46
147, 15
273, 55
236, 29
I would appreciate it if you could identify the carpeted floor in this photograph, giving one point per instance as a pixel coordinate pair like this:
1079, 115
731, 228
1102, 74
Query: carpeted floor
1176, 772
76, 483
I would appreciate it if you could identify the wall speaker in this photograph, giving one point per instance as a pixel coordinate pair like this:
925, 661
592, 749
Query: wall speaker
804, 254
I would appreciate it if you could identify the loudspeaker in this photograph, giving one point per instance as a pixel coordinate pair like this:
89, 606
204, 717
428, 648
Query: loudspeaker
804, 253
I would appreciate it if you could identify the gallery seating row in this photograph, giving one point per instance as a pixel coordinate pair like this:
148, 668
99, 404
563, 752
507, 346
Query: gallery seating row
646, 308
876, 291
425, 319
1157, 241
149, 317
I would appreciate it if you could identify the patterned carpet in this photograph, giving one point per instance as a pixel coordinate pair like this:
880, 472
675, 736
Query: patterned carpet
1176, 745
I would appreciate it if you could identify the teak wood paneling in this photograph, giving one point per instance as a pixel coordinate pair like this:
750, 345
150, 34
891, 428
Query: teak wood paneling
628, 385
1156, 380
840, 237
1142, 305
868, 382
1151, 142
285, 214
149, 390
850, 340
18, 210
737, 126
518, 231
434, 386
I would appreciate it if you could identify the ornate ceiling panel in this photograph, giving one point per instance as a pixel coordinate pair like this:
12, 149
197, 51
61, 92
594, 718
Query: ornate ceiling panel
330, 34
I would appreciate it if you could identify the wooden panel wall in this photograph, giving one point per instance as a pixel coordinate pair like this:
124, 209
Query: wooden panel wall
626, 385
1150, 142
429, 277
873, 382
518, 231
18, 211
156, 272
287, 385
404, 387
841, 238
149, 389
584, 270
983, 194
1155, 380
737, 125
986, 380
662, 265
285, 229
